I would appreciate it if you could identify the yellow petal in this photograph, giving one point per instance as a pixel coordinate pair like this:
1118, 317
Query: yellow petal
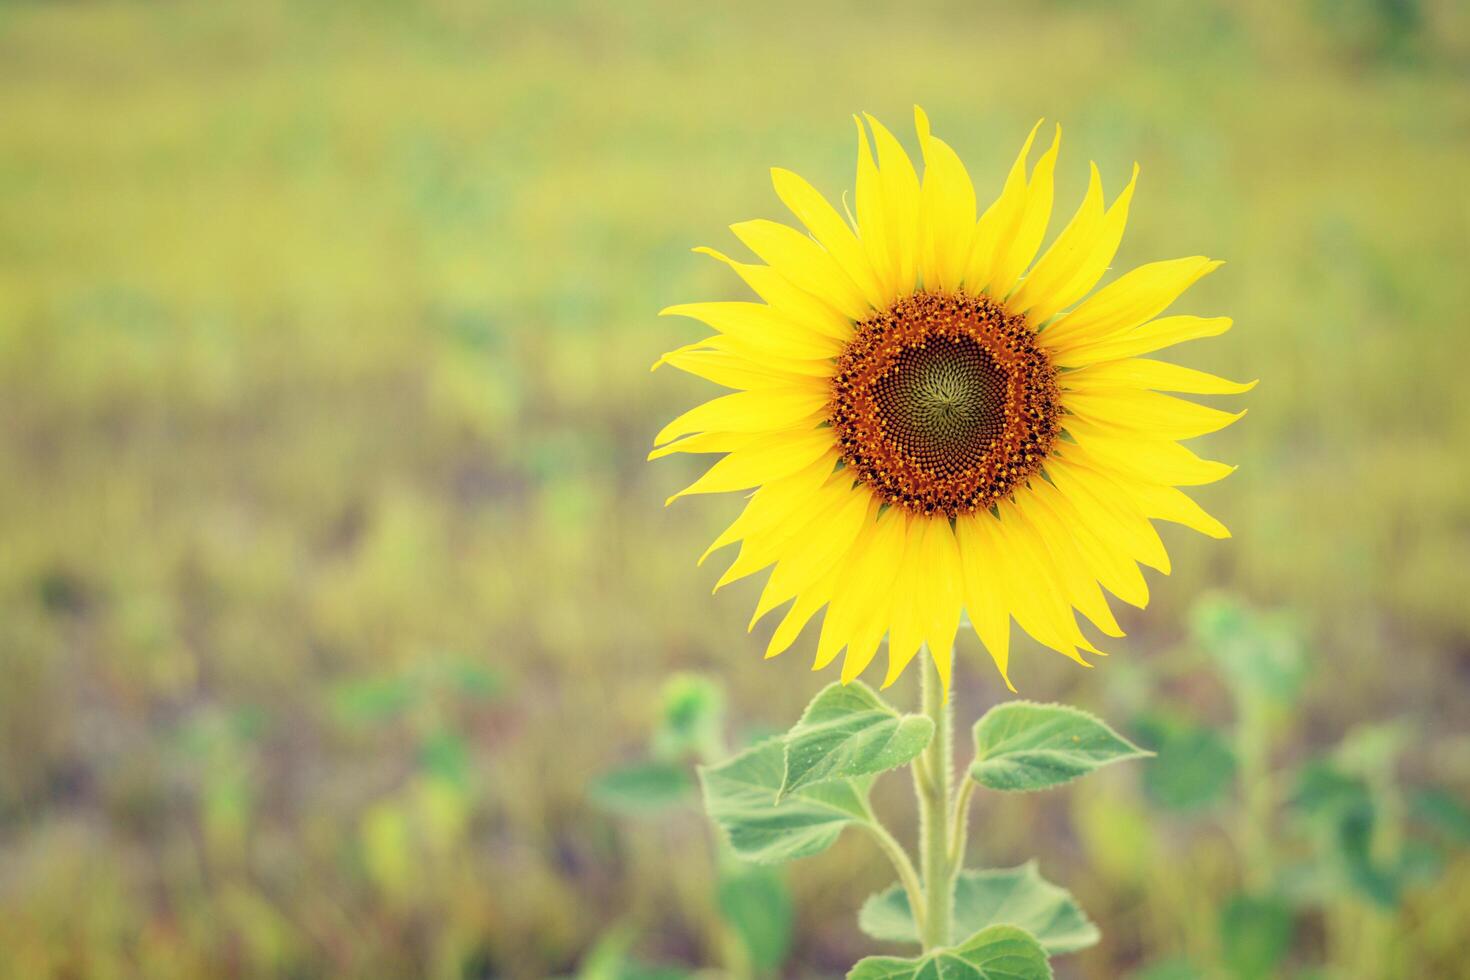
1171, 504
827, 227
1163, 416
1114, 570
1137, 372
946, 212
764, 546
796, 304
878, 610
751, 411
980, 563
1138, 296
1014, 255
1032, 591
762, 326
1081, 587
802, 610
774, 501
816, 549
1154, 460
782, 455
1152, 336
862, 647
872, 220
1066, 255
734, 371
900, 185
906, 626
710, 442
1109, 512
822, 367
1158, 502
1098, 255
997, 224
866, 578
803, 263
942, 596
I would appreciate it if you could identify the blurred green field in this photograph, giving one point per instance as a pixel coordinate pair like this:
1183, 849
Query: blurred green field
330, 568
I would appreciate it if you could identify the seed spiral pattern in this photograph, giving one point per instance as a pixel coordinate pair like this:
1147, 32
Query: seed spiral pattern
943, 403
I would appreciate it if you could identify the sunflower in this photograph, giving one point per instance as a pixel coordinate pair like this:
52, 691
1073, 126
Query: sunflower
937, 422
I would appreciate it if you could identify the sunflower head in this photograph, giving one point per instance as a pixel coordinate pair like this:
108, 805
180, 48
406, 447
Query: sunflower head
935, 420
943, 403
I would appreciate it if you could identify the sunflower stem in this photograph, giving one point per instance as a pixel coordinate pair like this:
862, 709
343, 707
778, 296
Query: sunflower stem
960, 823
933, 773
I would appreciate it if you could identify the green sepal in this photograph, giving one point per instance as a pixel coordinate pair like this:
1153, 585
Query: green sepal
741, 797
1004, 896
994, 953
848, 731
1022, 746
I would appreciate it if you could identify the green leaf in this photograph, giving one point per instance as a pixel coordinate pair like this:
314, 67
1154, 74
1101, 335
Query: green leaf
848, 731
1194, 768
756, 902
1373, 879
1260, 654
1323, 790
741, 797
642, 788
995, 953
1022, 746
1444, 812
1344, 808
1011, 896
690, 718
1255, 934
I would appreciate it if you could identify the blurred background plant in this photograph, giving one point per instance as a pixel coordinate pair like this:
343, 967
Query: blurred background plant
333, 579
1324, 848
748, 915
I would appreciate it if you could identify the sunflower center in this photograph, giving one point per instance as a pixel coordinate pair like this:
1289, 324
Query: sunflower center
944, 403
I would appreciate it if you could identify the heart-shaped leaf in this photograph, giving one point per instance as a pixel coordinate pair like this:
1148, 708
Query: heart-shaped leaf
1007, 896
996, 953
741, 797
849, 731
1023, 746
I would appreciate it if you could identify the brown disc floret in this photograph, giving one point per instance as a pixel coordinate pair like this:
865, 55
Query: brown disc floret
943, 403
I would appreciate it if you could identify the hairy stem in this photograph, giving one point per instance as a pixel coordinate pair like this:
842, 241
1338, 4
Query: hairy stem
960, 824
933, 773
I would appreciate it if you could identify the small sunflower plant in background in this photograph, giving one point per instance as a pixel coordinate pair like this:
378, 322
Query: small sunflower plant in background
939, 418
